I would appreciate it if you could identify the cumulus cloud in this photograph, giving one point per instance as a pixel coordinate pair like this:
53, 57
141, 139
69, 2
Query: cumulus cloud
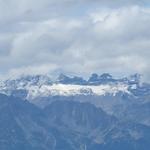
61, 36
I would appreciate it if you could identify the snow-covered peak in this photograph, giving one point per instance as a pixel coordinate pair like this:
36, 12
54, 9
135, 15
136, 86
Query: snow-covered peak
43, 86
27, 80
104, 78
70, 80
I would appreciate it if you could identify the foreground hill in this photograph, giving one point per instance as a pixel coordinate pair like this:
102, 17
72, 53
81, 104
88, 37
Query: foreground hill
66, 125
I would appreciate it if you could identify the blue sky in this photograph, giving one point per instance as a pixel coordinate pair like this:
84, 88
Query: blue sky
76, 37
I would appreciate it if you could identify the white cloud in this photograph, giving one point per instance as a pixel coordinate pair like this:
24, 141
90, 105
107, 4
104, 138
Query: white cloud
36, 39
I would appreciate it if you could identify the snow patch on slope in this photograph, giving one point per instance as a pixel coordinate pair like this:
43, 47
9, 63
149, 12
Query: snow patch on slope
71, 90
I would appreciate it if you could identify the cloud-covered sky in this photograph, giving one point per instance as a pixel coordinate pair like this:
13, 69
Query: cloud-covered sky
75, 37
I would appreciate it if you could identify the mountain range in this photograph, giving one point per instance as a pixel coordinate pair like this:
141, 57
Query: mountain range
72, 113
